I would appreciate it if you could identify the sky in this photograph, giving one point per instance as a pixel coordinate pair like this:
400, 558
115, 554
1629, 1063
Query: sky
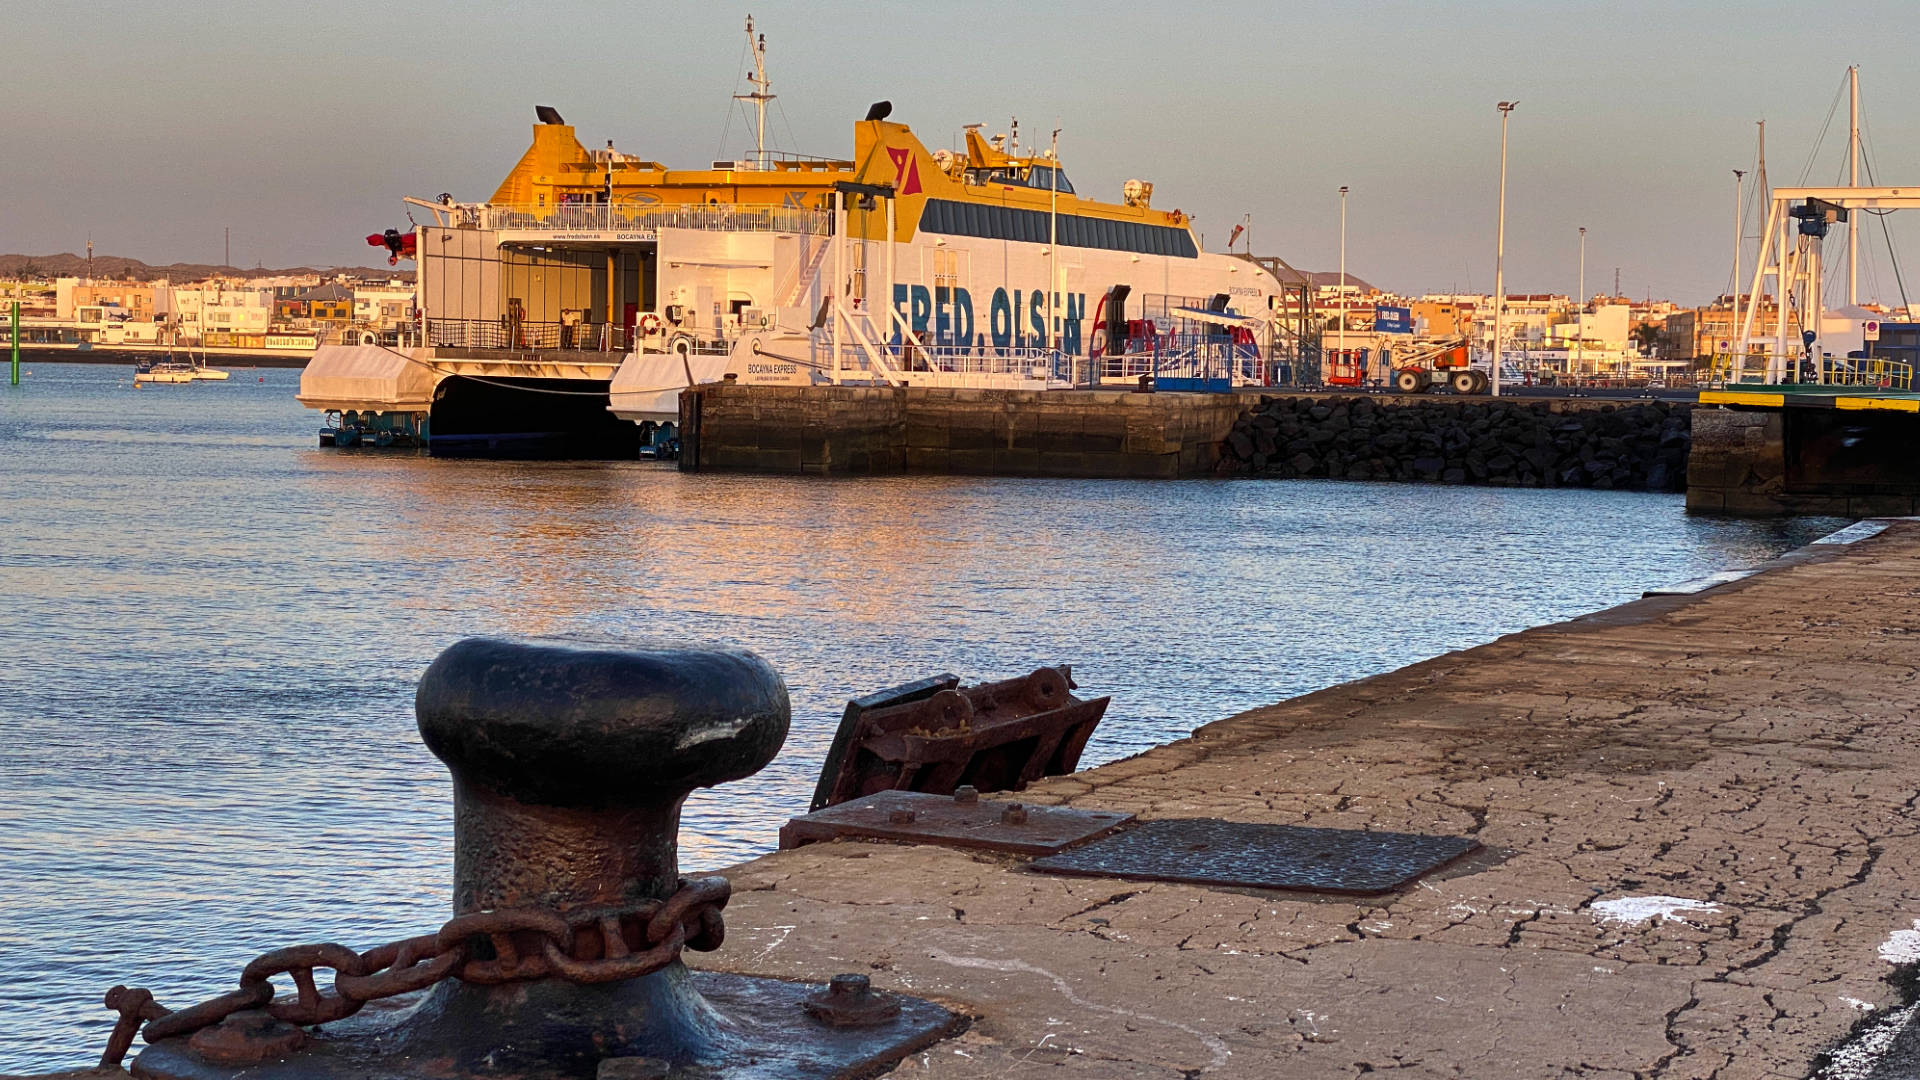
155, 126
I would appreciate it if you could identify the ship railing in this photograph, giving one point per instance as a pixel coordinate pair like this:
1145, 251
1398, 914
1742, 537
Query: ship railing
1866, 371
1187, 356
1027, 361
527, 336
1869, 372
1024, 362
650, 217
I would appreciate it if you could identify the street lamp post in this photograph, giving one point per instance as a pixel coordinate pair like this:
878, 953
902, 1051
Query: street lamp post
1579, 313
1342, 346
1500, 246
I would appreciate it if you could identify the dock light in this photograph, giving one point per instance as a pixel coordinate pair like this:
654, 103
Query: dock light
1500, 249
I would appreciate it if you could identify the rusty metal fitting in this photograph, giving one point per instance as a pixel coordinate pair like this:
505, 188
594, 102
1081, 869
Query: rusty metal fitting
1014, 814
570, 761
899, 817
135, 1007
933, 735
851, 1001
966, 795
248, 1037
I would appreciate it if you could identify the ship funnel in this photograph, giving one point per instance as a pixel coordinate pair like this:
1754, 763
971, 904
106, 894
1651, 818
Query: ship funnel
548, 114
880, 110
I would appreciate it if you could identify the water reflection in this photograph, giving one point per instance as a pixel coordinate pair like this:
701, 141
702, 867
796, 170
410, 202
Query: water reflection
213, 630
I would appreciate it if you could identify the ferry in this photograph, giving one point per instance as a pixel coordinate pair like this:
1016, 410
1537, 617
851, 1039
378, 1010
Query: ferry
979, 266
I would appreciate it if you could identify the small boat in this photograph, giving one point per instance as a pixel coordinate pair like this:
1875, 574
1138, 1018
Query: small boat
201, 372
163, 371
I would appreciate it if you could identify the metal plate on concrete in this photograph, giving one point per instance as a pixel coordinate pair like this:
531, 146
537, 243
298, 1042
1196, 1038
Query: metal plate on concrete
946, 820
1206, 851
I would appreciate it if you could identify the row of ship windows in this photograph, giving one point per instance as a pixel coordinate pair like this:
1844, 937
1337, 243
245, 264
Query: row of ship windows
1030, 226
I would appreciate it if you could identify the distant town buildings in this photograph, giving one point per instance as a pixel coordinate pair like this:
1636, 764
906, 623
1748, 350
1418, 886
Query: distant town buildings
297, 312
1549, 333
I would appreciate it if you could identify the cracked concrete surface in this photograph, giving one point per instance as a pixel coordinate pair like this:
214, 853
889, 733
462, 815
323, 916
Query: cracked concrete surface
1747, 749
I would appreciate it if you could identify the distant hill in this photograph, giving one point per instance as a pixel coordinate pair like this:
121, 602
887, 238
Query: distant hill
119, 267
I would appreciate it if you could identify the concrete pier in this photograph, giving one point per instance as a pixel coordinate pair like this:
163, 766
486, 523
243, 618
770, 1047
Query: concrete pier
1698, 814
1805, 450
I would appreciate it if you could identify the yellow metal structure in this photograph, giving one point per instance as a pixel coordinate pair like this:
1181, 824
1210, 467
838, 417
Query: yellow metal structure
558, 171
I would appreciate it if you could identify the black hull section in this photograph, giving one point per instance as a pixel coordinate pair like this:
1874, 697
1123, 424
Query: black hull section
528, 418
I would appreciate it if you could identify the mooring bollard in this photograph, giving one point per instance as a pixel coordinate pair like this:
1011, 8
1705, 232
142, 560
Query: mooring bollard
570, 761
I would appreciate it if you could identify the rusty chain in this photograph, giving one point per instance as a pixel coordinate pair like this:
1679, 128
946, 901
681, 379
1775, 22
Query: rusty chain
583, 945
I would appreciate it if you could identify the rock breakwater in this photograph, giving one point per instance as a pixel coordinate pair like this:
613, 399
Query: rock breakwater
1641, 446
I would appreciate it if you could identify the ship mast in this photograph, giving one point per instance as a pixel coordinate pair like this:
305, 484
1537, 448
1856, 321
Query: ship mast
761, 95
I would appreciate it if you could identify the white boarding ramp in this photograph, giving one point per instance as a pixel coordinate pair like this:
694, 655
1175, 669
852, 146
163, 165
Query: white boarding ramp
368, 378
647, 386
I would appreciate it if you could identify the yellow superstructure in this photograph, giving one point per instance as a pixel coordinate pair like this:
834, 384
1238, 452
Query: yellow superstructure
557, 170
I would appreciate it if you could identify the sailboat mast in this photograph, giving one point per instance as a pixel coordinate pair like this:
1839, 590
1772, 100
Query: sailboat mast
1739, 190
1853, 180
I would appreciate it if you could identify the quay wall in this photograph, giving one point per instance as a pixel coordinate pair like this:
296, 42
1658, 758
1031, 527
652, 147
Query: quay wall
1557, 442
868, 430
1685, 750
1780, 461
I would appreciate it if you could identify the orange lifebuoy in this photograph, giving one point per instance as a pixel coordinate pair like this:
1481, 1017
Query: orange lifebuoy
649, 324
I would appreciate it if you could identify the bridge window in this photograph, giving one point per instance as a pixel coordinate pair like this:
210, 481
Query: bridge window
956, 218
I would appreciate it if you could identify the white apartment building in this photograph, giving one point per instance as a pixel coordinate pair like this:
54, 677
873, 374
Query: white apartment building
385, 307
194, 311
